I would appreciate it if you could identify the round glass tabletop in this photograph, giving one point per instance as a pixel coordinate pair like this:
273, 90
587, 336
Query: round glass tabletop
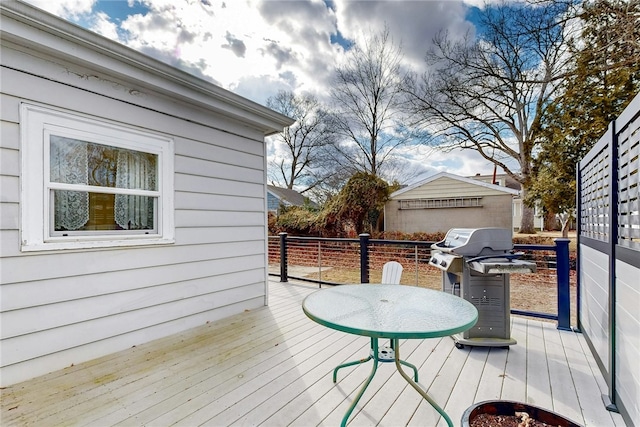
390, 311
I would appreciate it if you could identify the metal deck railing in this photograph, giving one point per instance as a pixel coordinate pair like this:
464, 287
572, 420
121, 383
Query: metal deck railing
336, 261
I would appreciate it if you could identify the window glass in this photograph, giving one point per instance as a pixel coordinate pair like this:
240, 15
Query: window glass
83, 163
84, 211
79, 162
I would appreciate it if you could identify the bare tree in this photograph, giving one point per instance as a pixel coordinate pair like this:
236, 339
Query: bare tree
366, 100
488, 93
328, 177
301, 163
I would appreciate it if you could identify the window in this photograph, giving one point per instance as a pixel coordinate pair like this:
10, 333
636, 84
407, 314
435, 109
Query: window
92, 183
457, 202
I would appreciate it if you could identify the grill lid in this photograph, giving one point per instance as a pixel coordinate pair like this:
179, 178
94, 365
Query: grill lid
476, 241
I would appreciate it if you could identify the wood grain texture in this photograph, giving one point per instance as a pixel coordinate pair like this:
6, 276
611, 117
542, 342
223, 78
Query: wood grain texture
272, 366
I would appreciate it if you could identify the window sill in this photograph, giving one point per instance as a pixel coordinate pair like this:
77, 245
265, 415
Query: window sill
94, 244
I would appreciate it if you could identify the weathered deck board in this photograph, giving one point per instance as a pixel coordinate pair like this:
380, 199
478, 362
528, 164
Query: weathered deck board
273, 366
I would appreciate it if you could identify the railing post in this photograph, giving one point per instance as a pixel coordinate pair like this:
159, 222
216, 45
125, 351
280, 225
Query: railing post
564, 293
415, 257
283, 257
319, 264
364, 258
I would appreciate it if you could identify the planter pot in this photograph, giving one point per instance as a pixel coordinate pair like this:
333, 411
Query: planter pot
506, 407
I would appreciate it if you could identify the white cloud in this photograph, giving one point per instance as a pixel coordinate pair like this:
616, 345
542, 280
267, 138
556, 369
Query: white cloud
411, 23
104, 26
257, 47
68, 9
260, 46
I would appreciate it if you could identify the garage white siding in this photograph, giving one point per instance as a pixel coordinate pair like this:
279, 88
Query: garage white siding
444, 201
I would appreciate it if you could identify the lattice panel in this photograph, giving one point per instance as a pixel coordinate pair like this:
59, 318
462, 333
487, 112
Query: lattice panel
629, 186
594, 198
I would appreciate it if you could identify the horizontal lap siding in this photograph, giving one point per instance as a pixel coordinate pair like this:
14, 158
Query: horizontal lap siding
495, 212
445, 188
9, 178
61, 308
46, 291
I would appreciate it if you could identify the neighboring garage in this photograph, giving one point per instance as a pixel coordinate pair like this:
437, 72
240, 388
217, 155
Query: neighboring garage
445, 201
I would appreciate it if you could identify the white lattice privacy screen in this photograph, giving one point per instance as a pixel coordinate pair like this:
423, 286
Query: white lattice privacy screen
594, 197
609, 259
629, 185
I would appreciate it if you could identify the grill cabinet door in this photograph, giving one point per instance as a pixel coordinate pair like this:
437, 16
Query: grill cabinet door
489, 293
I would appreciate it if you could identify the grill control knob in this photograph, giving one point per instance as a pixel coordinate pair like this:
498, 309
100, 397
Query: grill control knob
443, 263
433, 260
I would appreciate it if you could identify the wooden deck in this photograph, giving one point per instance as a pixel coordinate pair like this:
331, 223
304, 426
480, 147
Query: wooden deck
273, 367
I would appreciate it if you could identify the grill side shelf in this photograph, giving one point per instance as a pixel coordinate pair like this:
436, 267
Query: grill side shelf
515, 266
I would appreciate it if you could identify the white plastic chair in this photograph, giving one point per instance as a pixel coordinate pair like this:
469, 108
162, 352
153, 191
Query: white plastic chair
391, 273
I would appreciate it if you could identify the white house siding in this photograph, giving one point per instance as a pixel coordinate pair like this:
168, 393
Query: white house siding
594, 300
628, 338
64, 307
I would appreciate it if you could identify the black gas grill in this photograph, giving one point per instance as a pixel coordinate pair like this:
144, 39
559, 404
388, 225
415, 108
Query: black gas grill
475, 264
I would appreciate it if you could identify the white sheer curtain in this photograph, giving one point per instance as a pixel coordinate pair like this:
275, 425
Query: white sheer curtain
80, 162
69, 164
135, 170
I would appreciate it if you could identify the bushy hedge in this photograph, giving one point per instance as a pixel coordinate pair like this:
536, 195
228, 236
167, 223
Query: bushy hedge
295, 220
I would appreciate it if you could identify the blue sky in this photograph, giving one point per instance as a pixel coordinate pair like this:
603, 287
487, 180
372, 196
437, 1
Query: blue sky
257, 47
119, 11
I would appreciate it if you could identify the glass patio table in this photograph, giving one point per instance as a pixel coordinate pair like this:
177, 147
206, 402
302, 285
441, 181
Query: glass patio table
391, 312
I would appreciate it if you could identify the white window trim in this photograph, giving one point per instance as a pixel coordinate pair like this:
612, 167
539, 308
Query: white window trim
35, 121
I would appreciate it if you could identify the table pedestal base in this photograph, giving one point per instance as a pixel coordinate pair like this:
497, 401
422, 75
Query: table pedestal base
387, 354
384, 354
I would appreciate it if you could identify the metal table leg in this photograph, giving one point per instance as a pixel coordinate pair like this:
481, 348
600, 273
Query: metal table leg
416, 386
376, 357
374, 341
374, 344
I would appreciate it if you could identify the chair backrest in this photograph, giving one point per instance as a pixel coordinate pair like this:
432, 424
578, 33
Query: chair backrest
391, 273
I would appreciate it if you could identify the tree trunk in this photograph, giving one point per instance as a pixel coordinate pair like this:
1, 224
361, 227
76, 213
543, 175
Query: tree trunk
526, 223
565, 220
550, 222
